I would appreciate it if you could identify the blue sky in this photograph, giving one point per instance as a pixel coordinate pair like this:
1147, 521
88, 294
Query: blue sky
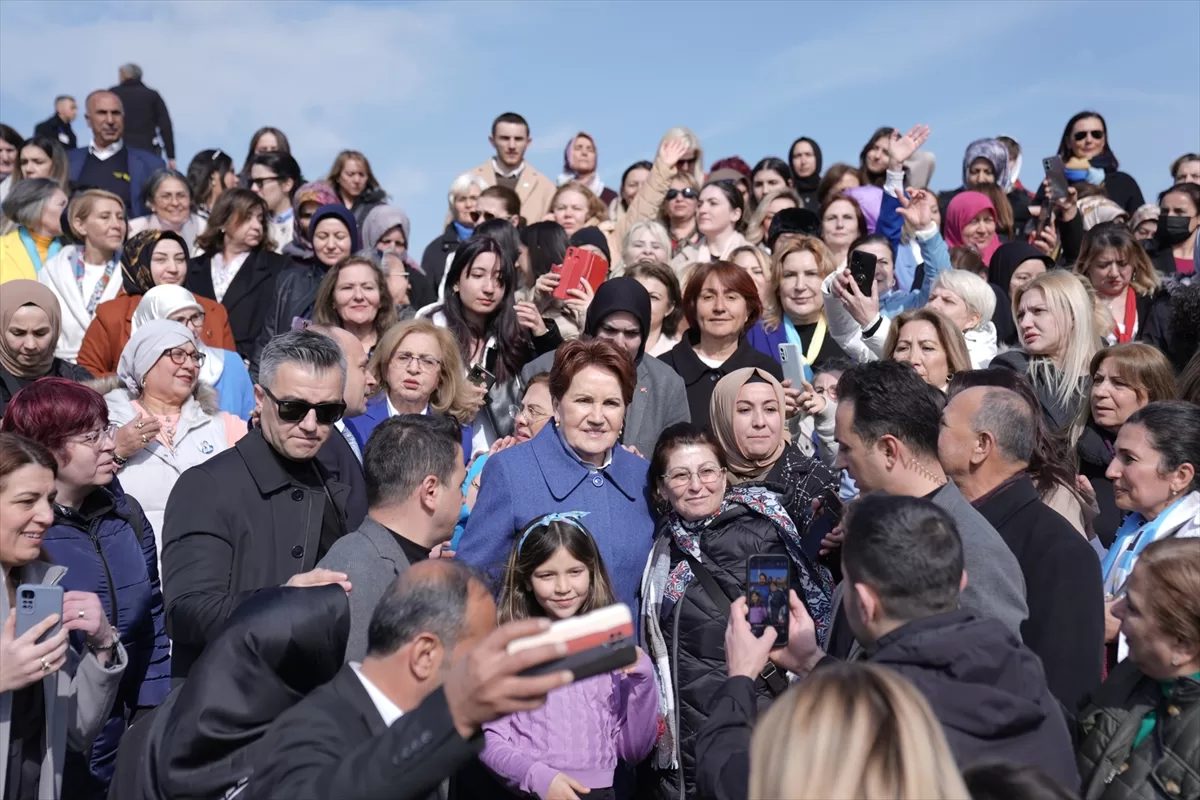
416, 85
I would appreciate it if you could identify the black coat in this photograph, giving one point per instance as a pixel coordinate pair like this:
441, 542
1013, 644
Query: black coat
234, 525
1095, 453
145, 115
339, 461
248, 299
58, 129
11, 384
433, 260
1063, 587
294, 296
334, 744
699, 379
694, 626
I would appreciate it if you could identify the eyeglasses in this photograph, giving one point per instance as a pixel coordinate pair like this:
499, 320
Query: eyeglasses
532, 413
708, 475
297, 410
95, 438
425, 363
194, 321
178, 355
482, 216
688, 194
258, 183
1081, 135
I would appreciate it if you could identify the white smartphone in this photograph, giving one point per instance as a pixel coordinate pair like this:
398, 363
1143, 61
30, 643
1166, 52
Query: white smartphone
792, 360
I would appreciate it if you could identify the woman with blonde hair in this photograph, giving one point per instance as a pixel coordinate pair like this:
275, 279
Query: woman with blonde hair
930, 342
1059, 329
765, 211
1127, 284
85, 275
354, 295
761, 266
356, 185
574, 207
646, 240
853, 730
692, 161
969, 302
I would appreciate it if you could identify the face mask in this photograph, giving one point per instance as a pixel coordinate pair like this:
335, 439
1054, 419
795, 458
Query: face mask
1173, 230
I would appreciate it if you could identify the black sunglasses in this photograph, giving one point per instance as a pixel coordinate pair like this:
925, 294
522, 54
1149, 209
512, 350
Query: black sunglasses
1081, 135
297, 410
688, 194
482, 216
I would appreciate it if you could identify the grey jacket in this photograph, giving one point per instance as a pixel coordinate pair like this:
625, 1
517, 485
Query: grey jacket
372, 559
79, 696
659, 400
995, 584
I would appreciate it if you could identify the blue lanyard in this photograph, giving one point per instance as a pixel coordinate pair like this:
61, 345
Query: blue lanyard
31, 248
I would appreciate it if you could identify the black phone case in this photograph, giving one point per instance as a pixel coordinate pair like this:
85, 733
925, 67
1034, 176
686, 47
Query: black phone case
863, 277
606, 657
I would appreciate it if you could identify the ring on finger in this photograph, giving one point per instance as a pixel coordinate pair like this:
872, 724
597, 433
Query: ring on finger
82, 613
141, 425
45, 665
144, 439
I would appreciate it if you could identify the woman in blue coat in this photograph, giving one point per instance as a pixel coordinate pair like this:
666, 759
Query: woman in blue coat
573, 465
100, 535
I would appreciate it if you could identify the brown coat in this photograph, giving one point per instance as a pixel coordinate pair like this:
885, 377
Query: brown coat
535, 189
109, 332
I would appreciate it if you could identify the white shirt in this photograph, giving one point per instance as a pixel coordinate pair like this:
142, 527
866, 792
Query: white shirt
104, 154
386, 708
393, 412
223, 274
516, 173
92, 273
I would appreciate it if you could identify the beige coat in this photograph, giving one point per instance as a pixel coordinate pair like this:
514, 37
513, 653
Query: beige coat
535, 189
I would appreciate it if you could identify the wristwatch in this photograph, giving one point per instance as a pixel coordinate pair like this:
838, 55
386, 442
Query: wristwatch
119, 461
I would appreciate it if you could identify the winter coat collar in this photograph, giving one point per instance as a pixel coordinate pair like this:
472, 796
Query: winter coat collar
563, 472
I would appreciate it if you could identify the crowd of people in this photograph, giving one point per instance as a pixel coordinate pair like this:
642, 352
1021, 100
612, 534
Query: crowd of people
301, 490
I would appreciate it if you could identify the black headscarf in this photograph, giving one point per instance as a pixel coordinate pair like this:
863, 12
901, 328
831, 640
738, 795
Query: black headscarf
620, 294
593, 236
809, 184
1008, 257
137, 254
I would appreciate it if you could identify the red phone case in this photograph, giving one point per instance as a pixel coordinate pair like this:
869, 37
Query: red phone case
578, 266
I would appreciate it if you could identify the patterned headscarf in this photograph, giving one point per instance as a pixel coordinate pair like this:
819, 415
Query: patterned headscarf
996, 153
136, 257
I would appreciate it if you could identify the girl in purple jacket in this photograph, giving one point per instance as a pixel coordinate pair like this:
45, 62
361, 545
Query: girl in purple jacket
569, 747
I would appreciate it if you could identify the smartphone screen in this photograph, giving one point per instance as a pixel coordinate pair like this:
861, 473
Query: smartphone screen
768, 579
862, 269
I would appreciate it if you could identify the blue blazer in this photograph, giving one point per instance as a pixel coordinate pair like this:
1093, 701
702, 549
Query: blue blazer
362, 426
541, 476
142, 163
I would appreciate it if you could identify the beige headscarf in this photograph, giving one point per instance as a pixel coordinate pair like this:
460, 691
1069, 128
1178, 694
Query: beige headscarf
721, 411
28, 293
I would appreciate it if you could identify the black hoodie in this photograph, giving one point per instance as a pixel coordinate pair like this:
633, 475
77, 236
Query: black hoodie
620, 294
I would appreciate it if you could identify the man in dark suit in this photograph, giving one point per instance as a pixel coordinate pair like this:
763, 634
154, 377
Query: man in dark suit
108, 163
341, 454
388, 727
985, 445
58, 127
147, 120
264, 512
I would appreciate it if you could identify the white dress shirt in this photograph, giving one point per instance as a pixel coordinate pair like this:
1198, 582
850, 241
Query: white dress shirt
386, 708
104, 154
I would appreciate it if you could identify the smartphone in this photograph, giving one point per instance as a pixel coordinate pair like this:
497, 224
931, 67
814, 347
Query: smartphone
862, 269
792, 360
1056, 173
35, 602
599, 641
580, 265
768, 581
481, 377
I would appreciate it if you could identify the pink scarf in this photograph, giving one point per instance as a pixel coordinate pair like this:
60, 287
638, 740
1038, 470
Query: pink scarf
965, 207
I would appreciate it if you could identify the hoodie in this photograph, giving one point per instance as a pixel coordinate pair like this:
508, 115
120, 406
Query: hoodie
986, 688
620, 294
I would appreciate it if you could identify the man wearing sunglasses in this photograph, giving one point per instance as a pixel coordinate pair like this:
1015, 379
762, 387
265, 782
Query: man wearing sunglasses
264, 512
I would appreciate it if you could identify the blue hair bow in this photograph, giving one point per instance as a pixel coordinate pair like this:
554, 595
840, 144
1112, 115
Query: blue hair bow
572, 518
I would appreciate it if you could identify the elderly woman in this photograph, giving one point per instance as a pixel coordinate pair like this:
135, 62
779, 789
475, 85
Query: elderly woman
106, 542
51, 696
239, 266
36, 206
418, 370
169, 200
928, 341
580, 165
460, 223
29, 324
706, 530
573, 465
151, 258
82, 276
666, 305
1127, 284
721, 306
1124, 378
177, 424
969, 303
1137, 734
575, 207
646, 240
354, 295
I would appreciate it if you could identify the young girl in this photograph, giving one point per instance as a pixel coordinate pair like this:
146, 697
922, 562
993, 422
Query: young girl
569, 747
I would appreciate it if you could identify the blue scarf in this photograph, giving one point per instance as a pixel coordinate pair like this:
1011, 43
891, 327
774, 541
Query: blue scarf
31, 248
1132, 537
462, 231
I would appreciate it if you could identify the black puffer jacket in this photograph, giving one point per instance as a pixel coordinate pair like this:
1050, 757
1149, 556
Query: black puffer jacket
295, 294
1164, 764
695, 627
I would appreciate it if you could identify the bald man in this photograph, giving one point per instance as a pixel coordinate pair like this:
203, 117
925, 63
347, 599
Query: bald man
986, 442
106, 163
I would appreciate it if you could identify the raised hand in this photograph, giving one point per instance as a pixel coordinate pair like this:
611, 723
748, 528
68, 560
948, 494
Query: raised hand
1047, 238
579, 300
672, 151
812, 403
546, 284
746, 655
82, 612
901, 148
916, 209
863, 308
136, 434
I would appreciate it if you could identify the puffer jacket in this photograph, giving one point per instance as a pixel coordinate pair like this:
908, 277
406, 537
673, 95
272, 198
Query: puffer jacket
295, 293
1166, 764
695, 628
108, 548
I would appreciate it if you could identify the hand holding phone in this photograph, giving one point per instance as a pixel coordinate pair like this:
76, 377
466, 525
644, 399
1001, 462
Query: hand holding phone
481, 377
1056, 173
862, 269
33, 644
578, 266
596, 642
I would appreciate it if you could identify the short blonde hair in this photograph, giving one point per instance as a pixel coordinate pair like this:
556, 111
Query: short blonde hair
84, 203
597, 211
974, 291
451, 395
958, 359
691, 181
754, 233
657, 230
680, 132
853, 730
784, 247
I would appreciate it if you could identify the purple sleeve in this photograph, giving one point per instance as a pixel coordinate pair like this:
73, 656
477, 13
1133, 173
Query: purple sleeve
517, 769
637, 713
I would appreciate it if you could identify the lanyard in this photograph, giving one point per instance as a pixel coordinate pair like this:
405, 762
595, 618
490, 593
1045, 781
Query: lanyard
101, 284
31, 248
814, 346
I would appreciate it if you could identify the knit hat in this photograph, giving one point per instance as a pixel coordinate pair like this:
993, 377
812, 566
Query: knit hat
593, 236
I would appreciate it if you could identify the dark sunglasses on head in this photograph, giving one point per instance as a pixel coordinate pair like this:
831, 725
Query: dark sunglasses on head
1081, 135
297, 410
688, 194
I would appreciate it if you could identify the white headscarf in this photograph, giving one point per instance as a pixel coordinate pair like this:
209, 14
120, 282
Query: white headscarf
146, 346
164, 300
